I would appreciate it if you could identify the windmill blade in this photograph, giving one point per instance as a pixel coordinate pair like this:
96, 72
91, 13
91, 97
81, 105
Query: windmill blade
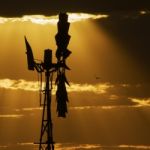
30, 58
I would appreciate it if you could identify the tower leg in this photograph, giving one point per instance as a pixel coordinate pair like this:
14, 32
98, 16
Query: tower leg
46, 137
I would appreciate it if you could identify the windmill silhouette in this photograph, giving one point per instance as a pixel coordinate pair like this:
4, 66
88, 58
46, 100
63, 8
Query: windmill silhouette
48, 68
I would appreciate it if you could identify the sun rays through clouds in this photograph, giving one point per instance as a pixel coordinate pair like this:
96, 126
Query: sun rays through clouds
109, 99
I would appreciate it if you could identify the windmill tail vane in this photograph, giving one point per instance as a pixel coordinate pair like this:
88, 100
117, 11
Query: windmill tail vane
30, 58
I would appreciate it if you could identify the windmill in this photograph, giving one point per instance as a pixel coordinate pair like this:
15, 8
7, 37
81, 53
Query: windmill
46, 66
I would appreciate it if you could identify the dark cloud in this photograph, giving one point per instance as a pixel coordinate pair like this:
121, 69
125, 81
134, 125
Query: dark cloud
140, 91
17, 7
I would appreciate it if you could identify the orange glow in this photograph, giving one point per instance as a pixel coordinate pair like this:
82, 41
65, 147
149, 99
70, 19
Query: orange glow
94, 52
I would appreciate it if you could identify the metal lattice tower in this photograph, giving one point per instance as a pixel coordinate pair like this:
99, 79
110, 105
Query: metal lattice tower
46, 136
48, 68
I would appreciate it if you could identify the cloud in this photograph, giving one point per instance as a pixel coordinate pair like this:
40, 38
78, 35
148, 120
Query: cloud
104, 95
25, 144
141, 102
92, 107
73, 17
11, 116
19, 85
98, 146
34, 86
113, 97
44, 20
97, 88
144, 12
128, 91
134, 146
3, 146
73, 146
31, 109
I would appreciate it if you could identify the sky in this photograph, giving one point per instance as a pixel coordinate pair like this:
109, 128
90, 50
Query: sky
49, 7
109, 93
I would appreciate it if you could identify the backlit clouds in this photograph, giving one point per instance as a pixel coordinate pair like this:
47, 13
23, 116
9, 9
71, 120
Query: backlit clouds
73, 17
11, 116
98, 147
144, 12
26, 144
92, 107
134, 146
43, 20
97, 88
34, 86
72, 146
104, 95
78, 147
141, 102
19, 85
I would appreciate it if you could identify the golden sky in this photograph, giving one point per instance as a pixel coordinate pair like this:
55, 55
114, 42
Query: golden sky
109, 87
